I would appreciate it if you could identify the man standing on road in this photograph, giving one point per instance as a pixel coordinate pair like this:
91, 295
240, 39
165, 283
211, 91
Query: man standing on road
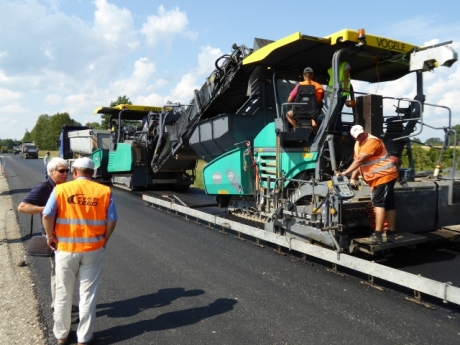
46, 160
79, 219
380, 173
35, 201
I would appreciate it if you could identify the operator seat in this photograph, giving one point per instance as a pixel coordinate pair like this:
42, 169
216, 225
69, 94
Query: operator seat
307, 108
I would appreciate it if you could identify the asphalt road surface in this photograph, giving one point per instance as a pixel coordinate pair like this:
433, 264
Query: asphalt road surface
166, 280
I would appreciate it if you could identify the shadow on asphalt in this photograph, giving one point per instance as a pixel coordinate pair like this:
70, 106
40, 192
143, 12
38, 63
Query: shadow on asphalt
16, 191
20, 239
163, 321
133, 306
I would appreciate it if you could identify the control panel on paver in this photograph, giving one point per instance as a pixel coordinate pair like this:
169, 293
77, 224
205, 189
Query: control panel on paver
342, 187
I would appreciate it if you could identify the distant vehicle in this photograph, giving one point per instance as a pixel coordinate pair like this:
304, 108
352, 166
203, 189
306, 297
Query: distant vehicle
16, 149
28, 150
4, 149
82, 141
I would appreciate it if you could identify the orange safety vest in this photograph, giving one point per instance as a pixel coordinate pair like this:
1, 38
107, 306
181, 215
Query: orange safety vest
377, 169
81, 219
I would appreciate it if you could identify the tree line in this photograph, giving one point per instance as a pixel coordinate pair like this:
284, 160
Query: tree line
48, 128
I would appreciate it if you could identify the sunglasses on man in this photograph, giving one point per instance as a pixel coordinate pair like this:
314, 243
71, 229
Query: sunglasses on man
62, 171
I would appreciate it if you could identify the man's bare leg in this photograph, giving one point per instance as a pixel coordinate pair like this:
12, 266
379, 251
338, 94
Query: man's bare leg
379, 218
291, 120
390, 216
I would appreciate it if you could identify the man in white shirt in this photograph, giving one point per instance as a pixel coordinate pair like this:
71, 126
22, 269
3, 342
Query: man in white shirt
46, 160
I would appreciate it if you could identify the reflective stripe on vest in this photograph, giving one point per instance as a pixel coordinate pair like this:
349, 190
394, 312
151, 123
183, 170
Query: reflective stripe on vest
341, 77
375, 166
80, 239
378, 160
81, 221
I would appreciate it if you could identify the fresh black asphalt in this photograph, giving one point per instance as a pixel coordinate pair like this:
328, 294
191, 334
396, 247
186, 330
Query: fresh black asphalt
166, 280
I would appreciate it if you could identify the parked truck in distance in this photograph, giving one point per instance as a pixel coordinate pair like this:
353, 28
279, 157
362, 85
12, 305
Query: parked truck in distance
83, 141
4, 149
28, 150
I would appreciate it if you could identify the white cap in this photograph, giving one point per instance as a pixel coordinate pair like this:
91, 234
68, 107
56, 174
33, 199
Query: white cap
84, 163
356, 130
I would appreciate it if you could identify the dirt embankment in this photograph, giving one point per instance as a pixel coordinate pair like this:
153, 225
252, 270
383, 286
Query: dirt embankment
19, 322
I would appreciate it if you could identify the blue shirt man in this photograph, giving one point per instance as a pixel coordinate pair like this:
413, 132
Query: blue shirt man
35, 201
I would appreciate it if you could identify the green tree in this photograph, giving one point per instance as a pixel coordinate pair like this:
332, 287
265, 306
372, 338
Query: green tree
40, 133
452, 139
27, 136
434, 141
94, 125
48, 128
105, 119
9, 143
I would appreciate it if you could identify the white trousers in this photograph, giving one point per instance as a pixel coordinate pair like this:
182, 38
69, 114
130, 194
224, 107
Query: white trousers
87, 267
53, 280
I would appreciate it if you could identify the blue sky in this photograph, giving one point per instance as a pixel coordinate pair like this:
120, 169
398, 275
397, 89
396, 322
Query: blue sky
75, 55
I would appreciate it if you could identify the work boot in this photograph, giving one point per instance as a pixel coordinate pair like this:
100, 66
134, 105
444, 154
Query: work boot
375, 238
386, 233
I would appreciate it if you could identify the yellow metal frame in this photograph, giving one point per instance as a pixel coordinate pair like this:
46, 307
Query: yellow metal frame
140, 108
378, 42
263, 52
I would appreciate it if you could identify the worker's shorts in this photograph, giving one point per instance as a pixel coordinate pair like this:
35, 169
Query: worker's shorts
384, 195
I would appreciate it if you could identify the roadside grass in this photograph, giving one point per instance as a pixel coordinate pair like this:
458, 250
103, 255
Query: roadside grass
53, 154
199, 174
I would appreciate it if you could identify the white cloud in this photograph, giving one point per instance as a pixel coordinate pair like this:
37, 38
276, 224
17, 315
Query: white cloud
152, 100
61, 63
195, 78
53, 99
75, 51
206, 60
166, 25
115, 25
138, 81
8, 95
12, 109
183, 91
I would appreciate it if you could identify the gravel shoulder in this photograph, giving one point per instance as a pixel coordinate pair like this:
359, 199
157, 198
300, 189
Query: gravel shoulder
19, 321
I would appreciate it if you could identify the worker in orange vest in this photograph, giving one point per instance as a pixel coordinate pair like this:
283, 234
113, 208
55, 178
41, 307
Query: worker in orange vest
79, 218
308, 75
380, 172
